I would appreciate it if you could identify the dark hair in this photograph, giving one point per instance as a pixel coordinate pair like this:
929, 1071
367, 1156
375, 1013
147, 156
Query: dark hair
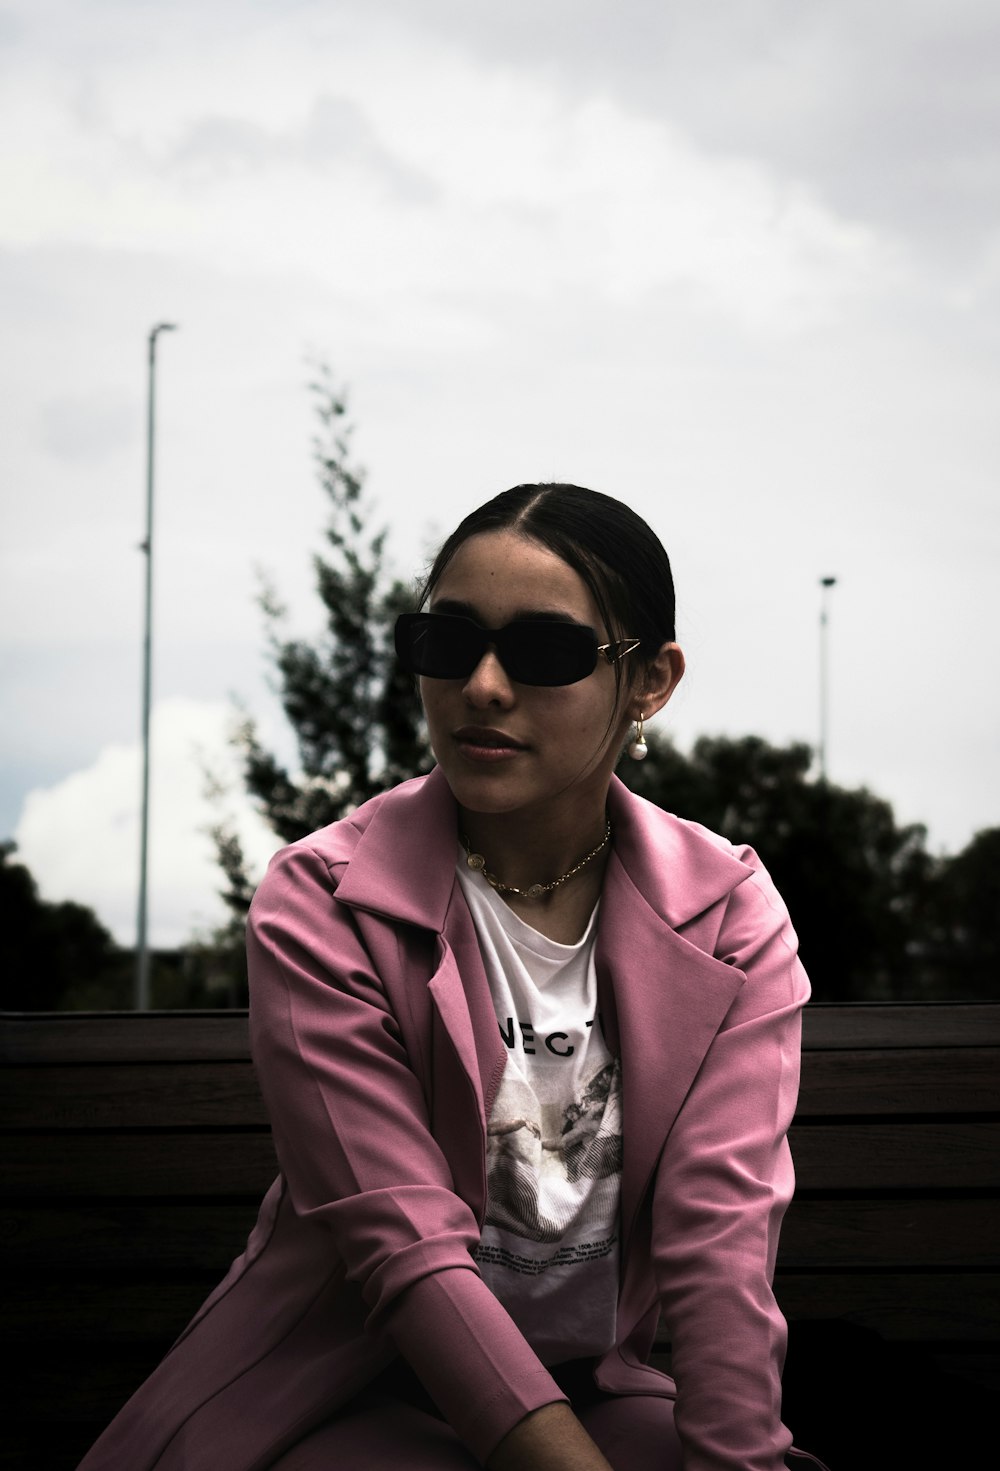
618, 556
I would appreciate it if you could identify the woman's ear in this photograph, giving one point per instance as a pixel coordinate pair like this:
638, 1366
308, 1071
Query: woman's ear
662, 677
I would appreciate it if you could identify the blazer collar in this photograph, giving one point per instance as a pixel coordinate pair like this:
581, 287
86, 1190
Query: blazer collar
403, 864
680, 868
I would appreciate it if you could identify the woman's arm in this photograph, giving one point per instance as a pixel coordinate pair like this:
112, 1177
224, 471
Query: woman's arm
352, 1134
549, 1439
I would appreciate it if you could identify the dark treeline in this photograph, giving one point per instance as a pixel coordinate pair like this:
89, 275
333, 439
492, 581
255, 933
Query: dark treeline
878, 917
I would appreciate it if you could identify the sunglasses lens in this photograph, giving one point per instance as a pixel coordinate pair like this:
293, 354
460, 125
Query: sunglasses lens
440, 646
547, 653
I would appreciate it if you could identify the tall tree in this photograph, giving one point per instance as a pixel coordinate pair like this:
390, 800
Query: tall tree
355, 715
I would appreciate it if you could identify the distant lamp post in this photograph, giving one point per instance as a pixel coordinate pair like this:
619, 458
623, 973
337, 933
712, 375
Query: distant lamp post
826, 583
142, 941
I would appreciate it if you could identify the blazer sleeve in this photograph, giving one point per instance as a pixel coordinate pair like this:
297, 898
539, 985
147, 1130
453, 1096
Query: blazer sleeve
723, 1183
353, 1140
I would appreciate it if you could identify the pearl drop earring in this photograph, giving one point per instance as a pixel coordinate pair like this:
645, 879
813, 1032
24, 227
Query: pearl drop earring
637, 746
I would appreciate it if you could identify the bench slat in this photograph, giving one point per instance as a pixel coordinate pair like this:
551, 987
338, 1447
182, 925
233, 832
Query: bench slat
39, 1309
122, 1036
47, 1037
950, 1306
915, 1157
912, 1157
135, 1165
922, 1080
828, 1025
893, 1233
131, 1095
164, 1237
130, 1236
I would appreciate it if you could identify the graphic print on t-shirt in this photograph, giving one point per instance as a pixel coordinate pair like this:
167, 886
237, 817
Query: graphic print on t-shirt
549, 1248
540, 1158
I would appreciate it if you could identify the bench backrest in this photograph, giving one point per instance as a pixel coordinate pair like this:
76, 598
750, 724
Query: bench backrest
136, 1150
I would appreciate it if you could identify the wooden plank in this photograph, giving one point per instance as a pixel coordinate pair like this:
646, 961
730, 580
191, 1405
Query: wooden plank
931, 1080
39, 1166
904, 1156
127, 1236
39, 1309
132, 1096
921, 1024
912, 1157
927, 1307
892, 1234
30, 1038
206, 1236
946, 1306
64, 1037
226, 1094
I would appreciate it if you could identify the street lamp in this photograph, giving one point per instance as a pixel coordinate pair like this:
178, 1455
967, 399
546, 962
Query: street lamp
146, 547
826, 583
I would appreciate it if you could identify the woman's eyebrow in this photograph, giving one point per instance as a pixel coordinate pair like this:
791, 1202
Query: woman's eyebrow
520, 615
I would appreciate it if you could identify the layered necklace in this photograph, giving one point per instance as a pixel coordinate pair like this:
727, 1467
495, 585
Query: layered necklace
535, 891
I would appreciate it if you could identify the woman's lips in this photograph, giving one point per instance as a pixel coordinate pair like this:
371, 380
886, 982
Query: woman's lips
482, 743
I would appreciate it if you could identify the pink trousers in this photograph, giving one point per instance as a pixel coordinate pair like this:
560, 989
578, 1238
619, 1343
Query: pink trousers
380, 1432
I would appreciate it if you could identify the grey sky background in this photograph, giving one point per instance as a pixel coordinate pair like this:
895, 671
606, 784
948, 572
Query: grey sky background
736, 263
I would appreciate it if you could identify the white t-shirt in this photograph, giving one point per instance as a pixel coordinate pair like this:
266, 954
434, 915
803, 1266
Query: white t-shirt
549, 1248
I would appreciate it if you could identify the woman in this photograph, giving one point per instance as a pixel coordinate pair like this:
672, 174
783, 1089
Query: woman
529, 1047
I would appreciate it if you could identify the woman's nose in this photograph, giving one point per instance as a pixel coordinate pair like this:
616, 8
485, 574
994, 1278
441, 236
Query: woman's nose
489, 683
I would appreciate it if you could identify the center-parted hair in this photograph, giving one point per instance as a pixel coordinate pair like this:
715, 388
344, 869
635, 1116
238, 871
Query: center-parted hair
619, 557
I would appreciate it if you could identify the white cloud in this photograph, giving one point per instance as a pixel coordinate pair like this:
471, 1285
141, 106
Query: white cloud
426, 169
80, 837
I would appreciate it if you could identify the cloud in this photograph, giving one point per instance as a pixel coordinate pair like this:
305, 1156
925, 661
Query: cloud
889, 114
89, 427
430, 170
336, 142
80, 837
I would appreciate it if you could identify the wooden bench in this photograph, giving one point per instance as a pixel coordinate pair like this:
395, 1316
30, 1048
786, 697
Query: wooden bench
136, 1151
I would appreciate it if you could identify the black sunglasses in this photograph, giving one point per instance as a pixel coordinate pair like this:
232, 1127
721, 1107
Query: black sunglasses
531, 650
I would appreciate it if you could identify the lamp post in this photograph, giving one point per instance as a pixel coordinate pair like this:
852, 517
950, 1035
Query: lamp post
146, 547
826, 583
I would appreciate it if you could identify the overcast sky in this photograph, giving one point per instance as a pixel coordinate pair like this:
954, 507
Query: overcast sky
737, 263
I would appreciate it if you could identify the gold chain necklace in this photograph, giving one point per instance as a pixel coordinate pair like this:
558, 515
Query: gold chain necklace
478, 862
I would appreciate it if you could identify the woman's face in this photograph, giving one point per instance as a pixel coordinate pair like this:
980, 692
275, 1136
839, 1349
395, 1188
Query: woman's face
504, 746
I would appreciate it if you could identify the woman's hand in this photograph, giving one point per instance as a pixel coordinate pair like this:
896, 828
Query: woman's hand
549, 1439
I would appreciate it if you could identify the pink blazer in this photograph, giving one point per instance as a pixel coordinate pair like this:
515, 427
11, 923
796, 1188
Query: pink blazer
379, 1056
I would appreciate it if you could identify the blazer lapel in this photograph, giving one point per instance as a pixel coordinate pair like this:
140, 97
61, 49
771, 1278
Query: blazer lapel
403, 867
662, 1002
468, 1053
